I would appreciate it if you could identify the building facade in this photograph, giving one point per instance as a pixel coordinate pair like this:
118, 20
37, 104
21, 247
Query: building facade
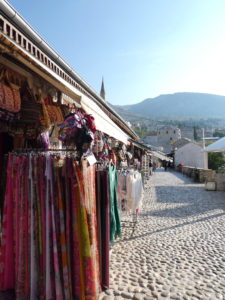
192, 155
168, 134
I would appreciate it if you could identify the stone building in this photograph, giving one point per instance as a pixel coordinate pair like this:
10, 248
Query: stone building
168, 134
163, 138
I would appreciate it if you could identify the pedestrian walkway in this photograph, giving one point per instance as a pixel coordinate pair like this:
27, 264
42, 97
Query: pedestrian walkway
178, 248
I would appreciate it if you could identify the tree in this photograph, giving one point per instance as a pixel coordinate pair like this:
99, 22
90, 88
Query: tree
216, 160
195, 134
219, 133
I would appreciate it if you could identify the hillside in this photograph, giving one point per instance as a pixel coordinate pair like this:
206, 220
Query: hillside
177, 106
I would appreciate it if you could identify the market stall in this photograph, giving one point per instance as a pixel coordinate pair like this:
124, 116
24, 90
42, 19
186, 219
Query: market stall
65, 164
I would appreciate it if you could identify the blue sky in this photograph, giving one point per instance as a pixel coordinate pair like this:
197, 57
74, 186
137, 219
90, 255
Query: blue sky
142, 48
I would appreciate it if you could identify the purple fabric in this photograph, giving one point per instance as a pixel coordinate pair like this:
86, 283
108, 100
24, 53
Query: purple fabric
104, 201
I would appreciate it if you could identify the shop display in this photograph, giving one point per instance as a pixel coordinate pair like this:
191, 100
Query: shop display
49, 246
59, 209
77, 130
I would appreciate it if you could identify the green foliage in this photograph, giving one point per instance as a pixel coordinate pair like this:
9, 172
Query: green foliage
219, 133
141, 132
207, 143
216, 161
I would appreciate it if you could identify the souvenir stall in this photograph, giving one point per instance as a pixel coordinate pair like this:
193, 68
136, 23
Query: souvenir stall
64, 211
62, 153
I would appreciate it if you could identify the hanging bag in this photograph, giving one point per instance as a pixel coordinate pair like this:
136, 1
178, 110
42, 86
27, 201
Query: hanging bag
16, 96
9, 94
7, 99
54, 111
31, 110
45, 122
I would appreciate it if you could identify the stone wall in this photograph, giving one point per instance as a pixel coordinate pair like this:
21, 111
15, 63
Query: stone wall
220, 181
204, 175
197, 174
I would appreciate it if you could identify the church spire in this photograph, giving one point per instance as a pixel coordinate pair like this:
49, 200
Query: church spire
102, 92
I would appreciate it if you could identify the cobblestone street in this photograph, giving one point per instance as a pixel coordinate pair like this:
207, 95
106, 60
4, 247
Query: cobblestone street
177, 250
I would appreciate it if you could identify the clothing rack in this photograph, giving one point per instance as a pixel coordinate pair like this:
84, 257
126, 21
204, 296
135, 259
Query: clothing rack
132, 216
42, 150
131, 223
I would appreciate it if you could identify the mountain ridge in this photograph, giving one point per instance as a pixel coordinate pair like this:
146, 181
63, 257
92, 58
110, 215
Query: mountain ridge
178, 105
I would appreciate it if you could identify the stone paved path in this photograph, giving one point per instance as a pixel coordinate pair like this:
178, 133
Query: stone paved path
178, 247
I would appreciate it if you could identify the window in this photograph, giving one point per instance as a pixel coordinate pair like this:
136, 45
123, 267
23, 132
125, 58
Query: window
14, 34
19, 39
1, 24
29, 47
8, 30
24, 43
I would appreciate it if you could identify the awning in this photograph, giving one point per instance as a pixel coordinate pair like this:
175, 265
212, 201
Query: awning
218, 146
102, 121
160, 156
39, 68
140, 145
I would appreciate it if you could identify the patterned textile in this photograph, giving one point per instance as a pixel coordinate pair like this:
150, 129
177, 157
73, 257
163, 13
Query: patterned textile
92, 264
49, 247
78, 130
8, 116
7, 271
17, 100
8, 99
54, 111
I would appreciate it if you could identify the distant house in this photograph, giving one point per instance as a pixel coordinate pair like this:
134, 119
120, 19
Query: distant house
180, 143
187, 132
191, 154
151, 139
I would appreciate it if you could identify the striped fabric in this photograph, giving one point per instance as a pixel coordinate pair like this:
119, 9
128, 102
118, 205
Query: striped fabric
49, 246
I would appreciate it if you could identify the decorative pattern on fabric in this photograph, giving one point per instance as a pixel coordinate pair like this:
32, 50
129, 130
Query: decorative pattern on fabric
49, 246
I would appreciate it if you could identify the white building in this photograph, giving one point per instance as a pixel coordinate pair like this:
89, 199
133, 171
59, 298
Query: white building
191, 154
151, 139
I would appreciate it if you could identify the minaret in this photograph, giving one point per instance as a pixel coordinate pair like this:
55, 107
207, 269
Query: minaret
102, 93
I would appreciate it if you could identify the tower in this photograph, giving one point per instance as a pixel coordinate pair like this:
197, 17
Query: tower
102, 92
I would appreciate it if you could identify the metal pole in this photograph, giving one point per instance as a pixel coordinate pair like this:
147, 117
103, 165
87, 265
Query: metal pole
203, 138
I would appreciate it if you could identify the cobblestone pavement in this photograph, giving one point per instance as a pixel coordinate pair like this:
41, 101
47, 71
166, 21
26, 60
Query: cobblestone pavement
178, 248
